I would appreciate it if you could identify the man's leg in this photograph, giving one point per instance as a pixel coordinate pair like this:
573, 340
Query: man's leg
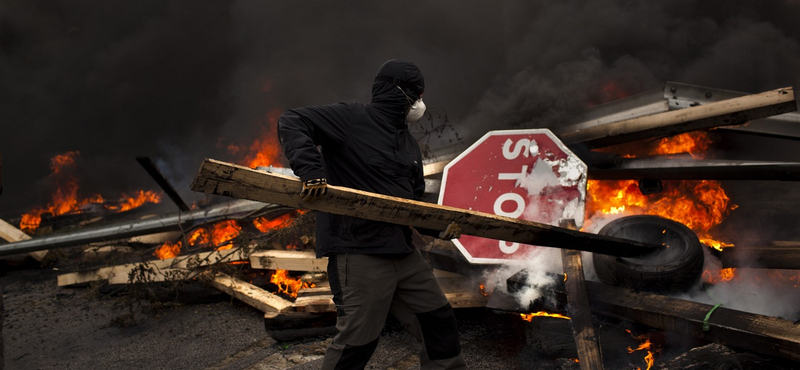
422, 307
362, 289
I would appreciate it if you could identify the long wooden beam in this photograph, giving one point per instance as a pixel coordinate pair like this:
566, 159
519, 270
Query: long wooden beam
728, 112
770, 257
216, 177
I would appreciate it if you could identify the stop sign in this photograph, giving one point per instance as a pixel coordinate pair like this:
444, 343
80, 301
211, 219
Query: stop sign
525, 174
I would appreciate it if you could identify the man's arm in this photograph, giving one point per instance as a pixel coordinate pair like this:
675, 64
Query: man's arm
301, 130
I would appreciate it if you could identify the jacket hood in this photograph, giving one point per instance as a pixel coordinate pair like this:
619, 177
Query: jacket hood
393, 74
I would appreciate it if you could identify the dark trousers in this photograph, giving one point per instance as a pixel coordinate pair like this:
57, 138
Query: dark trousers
367, 288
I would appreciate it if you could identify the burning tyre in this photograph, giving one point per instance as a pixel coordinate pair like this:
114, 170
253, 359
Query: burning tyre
676, 267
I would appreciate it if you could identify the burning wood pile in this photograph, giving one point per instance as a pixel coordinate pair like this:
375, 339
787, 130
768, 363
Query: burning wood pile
646, 157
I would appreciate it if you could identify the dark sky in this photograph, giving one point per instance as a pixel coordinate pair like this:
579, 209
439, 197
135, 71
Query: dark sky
180, 80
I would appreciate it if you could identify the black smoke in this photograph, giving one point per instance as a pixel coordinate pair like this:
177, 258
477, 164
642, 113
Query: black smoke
181, 80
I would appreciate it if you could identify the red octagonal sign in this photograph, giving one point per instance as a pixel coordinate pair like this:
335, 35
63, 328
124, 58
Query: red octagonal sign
525, 174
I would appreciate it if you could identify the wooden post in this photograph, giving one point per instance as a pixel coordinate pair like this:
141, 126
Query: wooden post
228, 179
728, 112
586, 337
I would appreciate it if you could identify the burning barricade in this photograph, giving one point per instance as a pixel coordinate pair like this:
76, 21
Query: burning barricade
657, 197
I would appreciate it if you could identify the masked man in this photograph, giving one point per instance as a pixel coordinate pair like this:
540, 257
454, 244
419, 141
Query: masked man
373, 267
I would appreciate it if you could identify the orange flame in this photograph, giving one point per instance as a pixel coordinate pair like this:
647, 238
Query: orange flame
530, 316
265, 150
168, 250
483, 290
288, 285
700, 204
645, 345
263, 224
694, 143
724, 275
65, 198
141, 197
217, 235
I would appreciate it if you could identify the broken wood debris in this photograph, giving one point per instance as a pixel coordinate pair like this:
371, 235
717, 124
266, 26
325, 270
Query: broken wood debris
250, 294
159, 269
231, 180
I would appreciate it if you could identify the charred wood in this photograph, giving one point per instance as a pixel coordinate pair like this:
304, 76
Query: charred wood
162, 181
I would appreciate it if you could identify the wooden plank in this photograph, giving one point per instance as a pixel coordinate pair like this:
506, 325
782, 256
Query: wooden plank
120, 272
771, 257
580, 312
231, 180
288, 260
728, 112
786, 243
315, 304
586, 337
250, 294
11, 234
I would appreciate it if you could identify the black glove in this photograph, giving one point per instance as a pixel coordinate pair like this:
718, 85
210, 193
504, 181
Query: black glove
453, 231
314, 188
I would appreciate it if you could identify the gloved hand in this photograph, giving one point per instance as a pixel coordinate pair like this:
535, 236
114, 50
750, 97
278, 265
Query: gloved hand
314, 188
453, 231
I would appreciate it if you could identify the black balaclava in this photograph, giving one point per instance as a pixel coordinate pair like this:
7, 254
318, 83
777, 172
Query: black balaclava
397, 72
385, 93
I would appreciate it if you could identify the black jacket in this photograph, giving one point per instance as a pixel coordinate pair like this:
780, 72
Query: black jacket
365, 147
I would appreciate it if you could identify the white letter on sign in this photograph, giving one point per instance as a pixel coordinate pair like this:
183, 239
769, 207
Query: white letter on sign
498, 210
508, 249
518, 199
521, 147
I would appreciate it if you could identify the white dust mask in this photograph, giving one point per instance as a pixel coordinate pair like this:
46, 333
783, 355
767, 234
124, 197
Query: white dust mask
415, 113
417, 108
